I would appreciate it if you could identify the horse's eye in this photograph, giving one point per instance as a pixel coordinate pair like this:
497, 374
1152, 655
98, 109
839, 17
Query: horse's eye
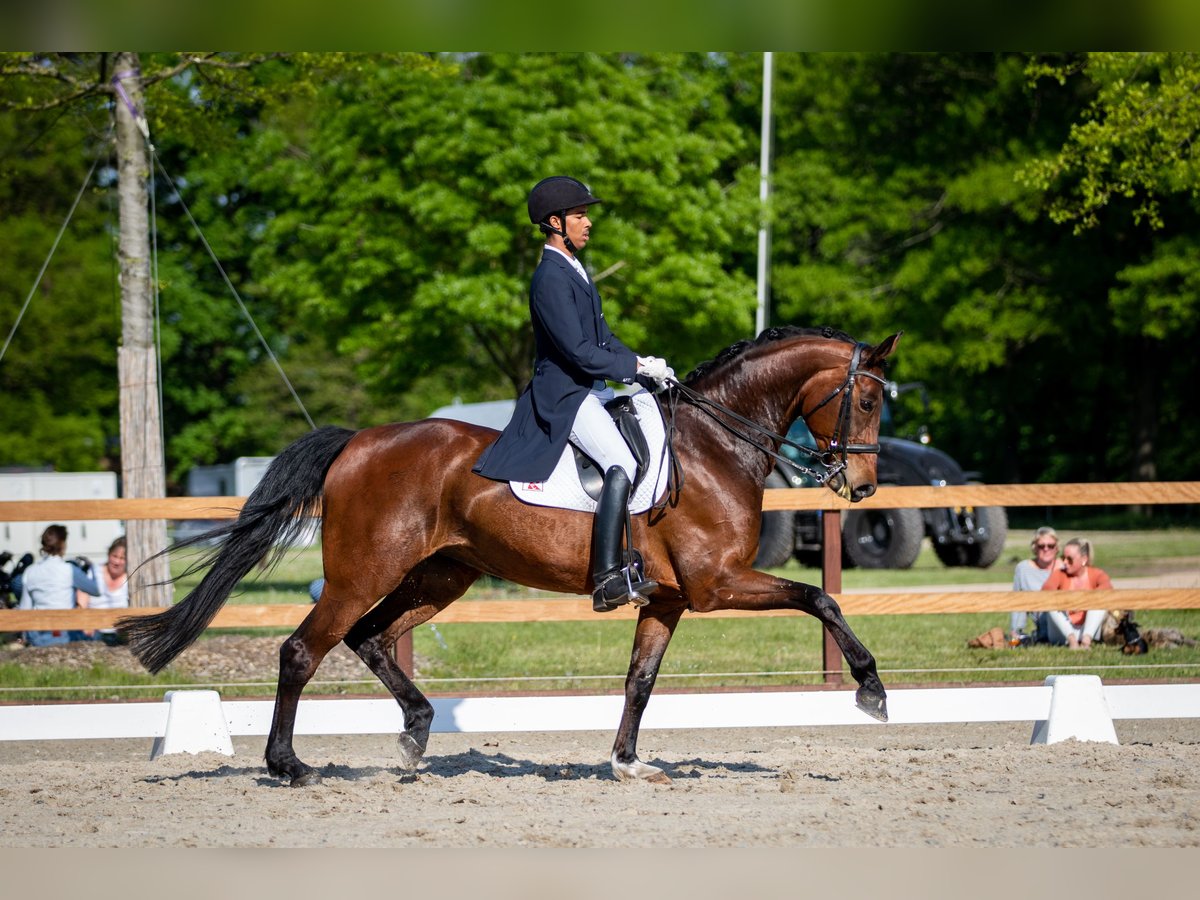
866, 404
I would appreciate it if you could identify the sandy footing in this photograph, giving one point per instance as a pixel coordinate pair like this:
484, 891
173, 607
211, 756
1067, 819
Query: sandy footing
901, 786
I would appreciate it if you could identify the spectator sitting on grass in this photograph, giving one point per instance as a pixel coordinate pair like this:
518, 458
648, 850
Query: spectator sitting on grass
1030, 575
1076, 628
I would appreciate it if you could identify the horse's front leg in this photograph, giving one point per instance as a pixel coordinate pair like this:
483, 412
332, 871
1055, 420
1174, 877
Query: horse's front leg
654, 629
752, 590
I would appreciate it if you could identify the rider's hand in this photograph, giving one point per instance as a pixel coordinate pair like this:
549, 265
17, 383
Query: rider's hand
656, 371
653, 368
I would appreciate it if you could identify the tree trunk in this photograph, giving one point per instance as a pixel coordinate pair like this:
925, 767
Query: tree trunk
142, 468
1146, 381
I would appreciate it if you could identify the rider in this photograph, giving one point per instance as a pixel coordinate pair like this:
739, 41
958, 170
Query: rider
576, 354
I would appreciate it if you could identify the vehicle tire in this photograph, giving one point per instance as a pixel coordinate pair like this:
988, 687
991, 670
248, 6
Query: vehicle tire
951, 555
991, 526
810, 559
777, 534
883, 538
990, 529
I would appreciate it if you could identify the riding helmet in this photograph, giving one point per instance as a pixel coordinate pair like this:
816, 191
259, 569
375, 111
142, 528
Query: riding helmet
555, 194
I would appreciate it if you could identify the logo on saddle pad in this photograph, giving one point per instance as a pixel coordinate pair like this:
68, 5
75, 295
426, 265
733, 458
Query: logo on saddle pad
575, 482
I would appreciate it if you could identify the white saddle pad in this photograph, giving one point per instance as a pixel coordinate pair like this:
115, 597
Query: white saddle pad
563, 491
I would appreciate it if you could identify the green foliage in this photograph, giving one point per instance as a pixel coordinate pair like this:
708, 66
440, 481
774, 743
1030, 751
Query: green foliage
903, 202
401, 219
1136, 140
1157, 296
58, 374
1029, 222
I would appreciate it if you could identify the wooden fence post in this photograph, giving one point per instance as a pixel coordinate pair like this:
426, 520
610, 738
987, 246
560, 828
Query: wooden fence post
831, 583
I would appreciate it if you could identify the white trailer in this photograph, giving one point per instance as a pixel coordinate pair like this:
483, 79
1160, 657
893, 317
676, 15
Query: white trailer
236, 479
89, 537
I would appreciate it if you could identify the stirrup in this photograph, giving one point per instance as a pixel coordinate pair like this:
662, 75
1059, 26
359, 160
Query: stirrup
634, 592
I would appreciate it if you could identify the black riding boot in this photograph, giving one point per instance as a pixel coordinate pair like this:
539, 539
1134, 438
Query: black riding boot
616, 583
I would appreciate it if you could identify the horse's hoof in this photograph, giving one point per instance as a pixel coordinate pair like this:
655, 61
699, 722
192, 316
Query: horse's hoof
410, 751
638, 771
307, 779
873, 704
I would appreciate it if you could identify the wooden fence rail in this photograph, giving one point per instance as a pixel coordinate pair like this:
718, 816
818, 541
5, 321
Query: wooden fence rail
579, 609
887, 497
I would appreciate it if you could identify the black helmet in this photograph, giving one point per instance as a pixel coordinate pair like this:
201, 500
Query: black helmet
556, 194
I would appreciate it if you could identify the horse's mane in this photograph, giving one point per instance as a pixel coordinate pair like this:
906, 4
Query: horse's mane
733, 351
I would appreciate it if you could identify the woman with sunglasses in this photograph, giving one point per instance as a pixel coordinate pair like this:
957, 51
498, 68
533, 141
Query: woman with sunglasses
1030, 575
1076, 628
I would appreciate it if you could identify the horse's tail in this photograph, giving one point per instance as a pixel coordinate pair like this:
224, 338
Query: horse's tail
272, 516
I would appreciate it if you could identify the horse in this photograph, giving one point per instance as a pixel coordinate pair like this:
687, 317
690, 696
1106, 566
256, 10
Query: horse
405, 519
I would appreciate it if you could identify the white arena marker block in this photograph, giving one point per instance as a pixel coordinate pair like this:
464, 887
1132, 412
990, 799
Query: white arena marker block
195, 724
1078, 709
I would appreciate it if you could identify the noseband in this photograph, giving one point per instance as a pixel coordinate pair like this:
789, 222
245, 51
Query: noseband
831, 461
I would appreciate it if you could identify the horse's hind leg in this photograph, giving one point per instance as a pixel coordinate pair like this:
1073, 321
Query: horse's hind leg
299, 657
654, 630
428, 589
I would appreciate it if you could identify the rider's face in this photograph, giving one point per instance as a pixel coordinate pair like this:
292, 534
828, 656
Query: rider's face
579, 226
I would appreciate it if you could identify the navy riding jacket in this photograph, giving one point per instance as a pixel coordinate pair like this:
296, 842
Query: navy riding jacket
575, 352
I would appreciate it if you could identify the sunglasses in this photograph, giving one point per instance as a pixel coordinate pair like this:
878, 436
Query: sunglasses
1046, 546
1071, 559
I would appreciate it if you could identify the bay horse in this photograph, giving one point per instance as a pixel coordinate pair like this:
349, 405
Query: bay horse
406, 520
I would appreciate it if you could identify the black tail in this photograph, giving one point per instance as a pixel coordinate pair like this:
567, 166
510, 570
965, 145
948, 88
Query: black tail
274, 513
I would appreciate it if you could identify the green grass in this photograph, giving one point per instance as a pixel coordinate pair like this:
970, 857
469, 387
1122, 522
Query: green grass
720, 653
25, 684
287, 583
707, 653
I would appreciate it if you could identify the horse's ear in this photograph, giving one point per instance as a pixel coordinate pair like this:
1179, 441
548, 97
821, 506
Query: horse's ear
882, 351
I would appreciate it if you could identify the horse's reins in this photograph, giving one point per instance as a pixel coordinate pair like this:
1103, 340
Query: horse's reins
832, 461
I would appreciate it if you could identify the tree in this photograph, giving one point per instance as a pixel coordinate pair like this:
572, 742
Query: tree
70, 324
898, 204
394, 222
370, 212
55, 81
1130, 167
1135, 140
896, 208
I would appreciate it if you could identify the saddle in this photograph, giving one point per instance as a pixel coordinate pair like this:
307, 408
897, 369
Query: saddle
624, 416
576, 480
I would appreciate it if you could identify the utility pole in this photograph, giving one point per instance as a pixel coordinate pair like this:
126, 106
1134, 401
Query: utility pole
762, 313
143, 472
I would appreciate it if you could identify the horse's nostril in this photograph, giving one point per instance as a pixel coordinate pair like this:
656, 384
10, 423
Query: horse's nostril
863, 491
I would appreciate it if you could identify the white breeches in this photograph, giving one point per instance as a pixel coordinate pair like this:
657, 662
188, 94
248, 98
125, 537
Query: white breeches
595, 434
1061, 625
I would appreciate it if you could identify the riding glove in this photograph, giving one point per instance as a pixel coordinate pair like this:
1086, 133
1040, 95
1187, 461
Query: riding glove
655, 369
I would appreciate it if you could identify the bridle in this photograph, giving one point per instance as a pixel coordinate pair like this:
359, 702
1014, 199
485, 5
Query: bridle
831, 461
839, 445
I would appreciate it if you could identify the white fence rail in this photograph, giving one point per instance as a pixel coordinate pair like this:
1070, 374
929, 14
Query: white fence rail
1066, 706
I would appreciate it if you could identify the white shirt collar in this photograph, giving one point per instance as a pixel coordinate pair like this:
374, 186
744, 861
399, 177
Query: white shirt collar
576, 264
